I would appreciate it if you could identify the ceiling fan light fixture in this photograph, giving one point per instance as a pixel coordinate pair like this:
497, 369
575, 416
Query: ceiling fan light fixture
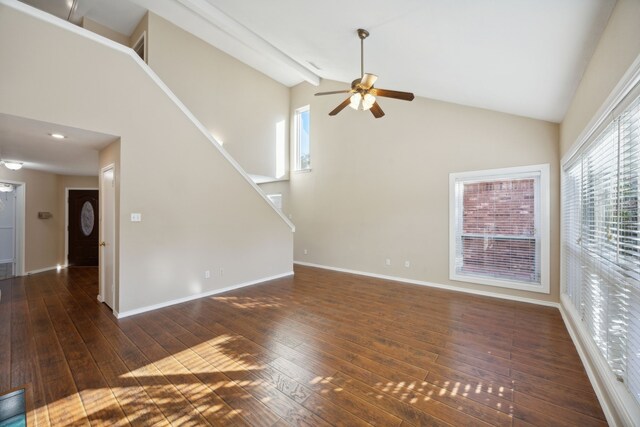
368, 101
363, 103
355, 101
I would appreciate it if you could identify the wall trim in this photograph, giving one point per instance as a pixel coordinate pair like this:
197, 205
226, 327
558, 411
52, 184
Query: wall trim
67, 26
121, 315
42, 270
434, 285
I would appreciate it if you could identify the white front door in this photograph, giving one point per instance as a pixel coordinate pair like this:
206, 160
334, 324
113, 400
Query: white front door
107, 236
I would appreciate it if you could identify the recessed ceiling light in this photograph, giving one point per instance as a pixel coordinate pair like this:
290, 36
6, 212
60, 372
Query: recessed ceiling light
57, 135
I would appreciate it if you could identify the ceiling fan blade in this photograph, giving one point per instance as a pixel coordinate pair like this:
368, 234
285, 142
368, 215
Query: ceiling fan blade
376, 110
405, 96
368, 80
333, 92
340, 107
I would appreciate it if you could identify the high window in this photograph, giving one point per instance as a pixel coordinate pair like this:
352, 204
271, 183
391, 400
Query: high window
601, 240
302, 146
499, 227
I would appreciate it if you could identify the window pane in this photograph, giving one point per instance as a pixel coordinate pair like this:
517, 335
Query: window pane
601, 242
498, 230
303, 152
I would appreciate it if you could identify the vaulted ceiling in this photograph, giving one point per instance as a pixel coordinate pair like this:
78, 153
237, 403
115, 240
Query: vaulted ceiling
522, 57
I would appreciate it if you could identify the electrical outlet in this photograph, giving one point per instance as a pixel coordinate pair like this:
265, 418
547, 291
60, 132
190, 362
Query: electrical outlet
221, 272
207, 274
387, 261
407, 264
306, 252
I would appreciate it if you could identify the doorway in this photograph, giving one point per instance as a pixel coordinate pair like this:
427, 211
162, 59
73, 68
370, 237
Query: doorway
108, 236
82, 230
7, 231
11, 229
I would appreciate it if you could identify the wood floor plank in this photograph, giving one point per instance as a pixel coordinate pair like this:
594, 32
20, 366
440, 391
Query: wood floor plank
5, 335
319, 348
97, 398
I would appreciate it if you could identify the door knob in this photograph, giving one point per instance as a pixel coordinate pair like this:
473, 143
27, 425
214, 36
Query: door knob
103, 243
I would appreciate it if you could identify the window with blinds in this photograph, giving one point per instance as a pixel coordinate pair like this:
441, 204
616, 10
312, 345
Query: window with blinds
601, 239
499, 234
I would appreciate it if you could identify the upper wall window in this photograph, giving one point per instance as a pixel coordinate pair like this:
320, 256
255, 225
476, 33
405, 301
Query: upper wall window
302, 146
499, 227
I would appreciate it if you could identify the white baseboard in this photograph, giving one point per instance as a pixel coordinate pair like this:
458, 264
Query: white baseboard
42, 270
434, 285
196, 296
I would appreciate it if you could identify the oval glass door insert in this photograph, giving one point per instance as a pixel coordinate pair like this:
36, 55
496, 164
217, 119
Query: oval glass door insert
87, 218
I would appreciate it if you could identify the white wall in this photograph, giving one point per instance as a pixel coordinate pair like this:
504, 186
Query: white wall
199, 212
379, 187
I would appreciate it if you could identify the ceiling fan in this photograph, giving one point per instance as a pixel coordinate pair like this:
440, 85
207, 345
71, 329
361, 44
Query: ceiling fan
363, 93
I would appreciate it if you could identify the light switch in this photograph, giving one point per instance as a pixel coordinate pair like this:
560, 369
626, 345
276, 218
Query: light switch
136, 217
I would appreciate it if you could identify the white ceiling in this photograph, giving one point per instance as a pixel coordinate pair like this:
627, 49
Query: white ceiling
28, 141
523, 57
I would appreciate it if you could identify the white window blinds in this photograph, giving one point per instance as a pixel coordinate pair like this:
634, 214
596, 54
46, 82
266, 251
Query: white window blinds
497, 232
601, 240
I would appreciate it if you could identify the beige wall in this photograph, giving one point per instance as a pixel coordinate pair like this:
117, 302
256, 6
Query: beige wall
379, 188
41, 235
45, 192
107, 32
199, 213
618, 47
236, 103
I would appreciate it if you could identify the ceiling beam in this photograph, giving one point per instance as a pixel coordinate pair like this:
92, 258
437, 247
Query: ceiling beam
241, 35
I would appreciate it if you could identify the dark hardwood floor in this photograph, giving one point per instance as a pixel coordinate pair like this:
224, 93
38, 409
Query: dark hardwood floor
322, 348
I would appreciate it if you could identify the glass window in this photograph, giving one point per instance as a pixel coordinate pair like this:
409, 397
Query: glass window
302, 144
498, 227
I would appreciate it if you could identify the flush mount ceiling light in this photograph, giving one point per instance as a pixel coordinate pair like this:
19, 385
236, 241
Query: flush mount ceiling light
57, 135
5, 188
14, 166
364, 94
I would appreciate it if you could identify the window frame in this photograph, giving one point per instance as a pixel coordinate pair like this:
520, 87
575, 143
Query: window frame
542, 220
297, 167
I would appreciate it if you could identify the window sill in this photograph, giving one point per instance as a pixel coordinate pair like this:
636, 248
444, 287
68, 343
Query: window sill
502, 283
301, 171
262, 179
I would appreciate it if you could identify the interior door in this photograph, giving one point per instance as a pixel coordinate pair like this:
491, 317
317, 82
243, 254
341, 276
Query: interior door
7, 234
83, 228
107, 246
